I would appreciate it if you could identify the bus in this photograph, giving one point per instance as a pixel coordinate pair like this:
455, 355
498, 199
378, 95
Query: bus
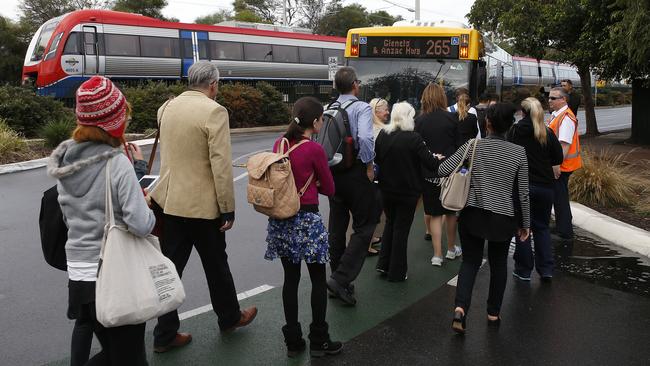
69, 49
397, 62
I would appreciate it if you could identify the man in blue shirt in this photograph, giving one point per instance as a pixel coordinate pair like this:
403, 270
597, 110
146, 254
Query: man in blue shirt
355, 194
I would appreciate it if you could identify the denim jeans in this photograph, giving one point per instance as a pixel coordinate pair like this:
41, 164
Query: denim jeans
541, 201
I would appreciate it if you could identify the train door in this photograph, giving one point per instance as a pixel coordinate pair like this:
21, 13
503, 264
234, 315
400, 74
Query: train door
194, 47
90, 43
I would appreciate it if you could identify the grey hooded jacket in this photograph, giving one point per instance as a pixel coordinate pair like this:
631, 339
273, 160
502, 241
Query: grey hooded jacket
80, 171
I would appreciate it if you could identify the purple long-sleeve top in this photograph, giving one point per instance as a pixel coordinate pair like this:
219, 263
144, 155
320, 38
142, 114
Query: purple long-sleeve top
310, 158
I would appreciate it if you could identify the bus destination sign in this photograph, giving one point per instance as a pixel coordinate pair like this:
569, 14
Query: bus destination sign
409, 47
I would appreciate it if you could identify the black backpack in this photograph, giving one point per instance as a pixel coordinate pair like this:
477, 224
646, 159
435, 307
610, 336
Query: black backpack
54, 232
335, 136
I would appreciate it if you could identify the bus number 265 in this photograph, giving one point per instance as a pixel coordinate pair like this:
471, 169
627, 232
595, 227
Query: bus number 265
439, 47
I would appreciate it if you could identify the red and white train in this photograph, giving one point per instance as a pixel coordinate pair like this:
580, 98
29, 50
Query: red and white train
69, 49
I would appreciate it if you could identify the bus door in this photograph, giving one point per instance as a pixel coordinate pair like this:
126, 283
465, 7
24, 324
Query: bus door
90, 50
194, 47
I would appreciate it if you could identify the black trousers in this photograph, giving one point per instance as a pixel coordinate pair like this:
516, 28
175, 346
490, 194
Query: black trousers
563, 216
120, 345
399, 217
472, 258
180, 235
317, 274
355, 195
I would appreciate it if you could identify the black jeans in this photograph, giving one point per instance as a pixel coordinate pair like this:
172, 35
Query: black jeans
355, 194
120, 345
399, 217
541, 201
317, 274
180, 235
563, 217
472, 258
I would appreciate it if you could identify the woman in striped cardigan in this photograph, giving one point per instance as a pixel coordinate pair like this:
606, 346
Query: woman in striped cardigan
497, 208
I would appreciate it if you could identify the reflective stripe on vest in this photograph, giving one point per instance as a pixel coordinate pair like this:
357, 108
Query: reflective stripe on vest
572, 161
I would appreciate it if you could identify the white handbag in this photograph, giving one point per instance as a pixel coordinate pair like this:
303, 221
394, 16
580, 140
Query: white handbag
454, 189
135, 281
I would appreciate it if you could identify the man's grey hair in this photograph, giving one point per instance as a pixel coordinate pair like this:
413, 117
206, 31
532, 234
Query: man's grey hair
562, 92
201, 74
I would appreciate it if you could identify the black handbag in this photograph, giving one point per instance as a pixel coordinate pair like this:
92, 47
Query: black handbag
54, 232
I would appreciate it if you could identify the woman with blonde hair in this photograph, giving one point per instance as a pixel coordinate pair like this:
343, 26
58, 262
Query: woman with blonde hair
467, 122
544, 154
380, 115
439, 130
80, 166
400, 153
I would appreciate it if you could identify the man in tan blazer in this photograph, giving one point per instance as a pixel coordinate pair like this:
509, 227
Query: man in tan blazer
196, 194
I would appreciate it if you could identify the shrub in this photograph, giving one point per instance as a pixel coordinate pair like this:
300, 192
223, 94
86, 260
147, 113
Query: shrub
243, 103
145, 100
25, 112
274, 110
604, 180
10, 140
55, 132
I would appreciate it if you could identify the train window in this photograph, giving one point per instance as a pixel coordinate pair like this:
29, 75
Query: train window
159, 47
309, 55
43, 39
328, 52
72, 45
121, 45
257, 52
220, 50
547, 71
54, 46
529, 70
203, 50
285, 53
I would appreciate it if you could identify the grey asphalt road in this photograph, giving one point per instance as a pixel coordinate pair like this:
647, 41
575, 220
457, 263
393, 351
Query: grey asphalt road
33, 296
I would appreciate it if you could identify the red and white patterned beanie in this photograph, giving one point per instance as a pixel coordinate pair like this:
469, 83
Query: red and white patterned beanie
101, 104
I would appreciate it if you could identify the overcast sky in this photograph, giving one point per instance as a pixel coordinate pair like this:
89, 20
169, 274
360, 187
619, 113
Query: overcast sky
188, 10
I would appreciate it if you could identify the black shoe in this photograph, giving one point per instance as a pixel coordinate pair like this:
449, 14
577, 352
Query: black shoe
494, 323
382, 272
293, 339
399, 279
345, 293
320, 343
427, 237
458, 324
547, 279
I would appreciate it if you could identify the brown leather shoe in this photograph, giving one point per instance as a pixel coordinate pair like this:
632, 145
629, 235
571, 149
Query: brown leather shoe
181, 339
247, 316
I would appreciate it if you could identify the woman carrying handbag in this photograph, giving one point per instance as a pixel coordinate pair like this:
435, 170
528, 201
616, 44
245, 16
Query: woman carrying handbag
79, 166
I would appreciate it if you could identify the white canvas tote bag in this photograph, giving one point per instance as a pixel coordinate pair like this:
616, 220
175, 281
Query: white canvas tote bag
135, 281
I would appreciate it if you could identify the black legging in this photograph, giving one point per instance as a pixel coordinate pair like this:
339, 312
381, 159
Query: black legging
317, 274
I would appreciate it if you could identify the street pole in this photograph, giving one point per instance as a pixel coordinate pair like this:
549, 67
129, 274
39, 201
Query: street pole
284, 13
417, 9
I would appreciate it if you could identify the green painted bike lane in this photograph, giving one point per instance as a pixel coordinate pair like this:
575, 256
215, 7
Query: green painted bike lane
261, 343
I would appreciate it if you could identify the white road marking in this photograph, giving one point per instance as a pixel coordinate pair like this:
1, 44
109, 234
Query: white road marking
454, 281
240, 297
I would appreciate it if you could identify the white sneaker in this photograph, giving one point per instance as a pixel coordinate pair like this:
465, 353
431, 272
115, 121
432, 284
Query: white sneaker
452, 254
436, 261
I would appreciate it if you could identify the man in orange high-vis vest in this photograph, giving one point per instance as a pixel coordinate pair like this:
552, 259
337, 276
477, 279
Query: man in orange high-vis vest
565, 126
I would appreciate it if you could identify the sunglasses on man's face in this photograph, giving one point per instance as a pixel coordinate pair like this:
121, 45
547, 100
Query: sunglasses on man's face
554, 98
358, 81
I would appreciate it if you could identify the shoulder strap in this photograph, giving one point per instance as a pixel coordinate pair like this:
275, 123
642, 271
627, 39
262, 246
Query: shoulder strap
345, 105
471, 160
152, 156
282, 143
304, 188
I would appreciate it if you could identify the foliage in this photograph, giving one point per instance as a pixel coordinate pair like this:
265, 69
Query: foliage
55, 132
258, 11
485, 15
312, 12
274, 110
36, 12
12, 50
214, 18
26, 112
145, 100
10, 140
150, 8
339, 19
243, 103
604, 180
382, 18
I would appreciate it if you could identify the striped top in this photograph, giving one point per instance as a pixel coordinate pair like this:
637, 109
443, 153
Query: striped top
499, 175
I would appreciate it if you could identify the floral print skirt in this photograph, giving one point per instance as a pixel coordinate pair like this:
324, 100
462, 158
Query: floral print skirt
302, 237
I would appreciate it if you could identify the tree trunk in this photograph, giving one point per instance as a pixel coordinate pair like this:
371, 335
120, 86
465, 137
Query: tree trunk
590, 114
640, 112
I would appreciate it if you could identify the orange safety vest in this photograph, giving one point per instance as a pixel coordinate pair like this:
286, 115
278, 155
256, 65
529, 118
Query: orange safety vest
572, 161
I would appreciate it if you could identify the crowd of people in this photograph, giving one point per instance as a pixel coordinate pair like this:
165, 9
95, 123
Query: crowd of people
519, 171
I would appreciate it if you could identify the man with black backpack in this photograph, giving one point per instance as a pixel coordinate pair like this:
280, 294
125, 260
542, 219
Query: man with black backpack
347, 137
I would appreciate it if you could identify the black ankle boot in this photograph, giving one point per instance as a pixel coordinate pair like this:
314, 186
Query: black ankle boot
320, 343
293, 339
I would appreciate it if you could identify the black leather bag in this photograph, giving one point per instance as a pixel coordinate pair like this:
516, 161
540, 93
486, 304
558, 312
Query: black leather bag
54, 232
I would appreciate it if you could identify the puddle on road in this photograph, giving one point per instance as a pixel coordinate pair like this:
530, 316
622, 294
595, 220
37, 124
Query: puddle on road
605, 265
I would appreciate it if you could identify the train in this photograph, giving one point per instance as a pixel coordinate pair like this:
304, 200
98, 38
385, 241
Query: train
67, 50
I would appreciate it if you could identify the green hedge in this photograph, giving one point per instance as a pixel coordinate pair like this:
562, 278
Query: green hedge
145, 100
26, 113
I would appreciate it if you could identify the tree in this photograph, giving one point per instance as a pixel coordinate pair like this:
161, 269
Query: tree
12, 50
339, 19
382, 18
628, 50
214, 18
312, 12
264, 10
149, 8
36, 12
570, 31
